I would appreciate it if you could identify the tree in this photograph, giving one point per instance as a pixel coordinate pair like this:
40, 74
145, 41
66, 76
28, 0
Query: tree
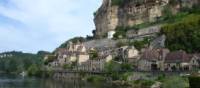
34, 70
183, 34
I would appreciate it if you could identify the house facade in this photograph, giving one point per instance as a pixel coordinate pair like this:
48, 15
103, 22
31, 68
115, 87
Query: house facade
73, 53
152, 59
180, 61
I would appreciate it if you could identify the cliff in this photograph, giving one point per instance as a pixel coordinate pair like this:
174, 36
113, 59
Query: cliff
127, 13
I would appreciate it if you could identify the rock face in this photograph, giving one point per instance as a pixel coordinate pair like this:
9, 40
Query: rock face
131, 12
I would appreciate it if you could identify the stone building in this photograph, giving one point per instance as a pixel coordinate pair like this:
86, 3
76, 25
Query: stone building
97, 65
180, 61
152, 59
73, 53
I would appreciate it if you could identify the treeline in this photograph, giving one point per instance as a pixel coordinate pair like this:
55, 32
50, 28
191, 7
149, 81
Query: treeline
18, 62
183, 34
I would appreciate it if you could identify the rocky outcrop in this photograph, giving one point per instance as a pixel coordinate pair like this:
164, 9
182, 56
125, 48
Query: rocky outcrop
132, 12
128, 13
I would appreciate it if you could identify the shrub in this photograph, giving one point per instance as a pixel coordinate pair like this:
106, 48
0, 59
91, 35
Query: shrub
67, 66
96, 78
194, 82
175, 82
117, 2
34, 70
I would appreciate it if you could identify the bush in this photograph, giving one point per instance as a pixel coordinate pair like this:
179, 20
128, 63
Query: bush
120, 32
67, 66
34, 70
140, 44
194, 82
117, 2
175, 82
126, 67
96, 79
93, 54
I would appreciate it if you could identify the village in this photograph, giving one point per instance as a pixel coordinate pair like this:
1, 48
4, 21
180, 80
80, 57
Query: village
92, 56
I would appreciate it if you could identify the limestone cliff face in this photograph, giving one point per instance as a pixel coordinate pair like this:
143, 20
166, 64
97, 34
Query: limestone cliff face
129, 13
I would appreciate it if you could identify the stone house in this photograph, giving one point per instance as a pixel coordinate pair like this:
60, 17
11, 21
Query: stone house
131, 54
180, 61
125, 53
96, 64
152, 59
73, 53
92, 65
53, 64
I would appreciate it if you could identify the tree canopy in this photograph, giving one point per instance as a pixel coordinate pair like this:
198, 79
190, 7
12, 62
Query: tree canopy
183, 34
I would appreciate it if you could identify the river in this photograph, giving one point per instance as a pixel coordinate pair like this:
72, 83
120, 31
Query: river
13, 81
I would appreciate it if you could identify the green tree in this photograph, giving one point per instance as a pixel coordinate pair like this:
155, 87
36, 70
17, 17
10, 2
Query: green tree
184, 34
34, 70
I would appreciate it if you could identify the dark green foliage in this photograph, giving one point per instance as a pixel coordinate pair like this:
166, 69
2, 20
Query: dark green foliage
117, 2
120, 32
175, 82
194, 82
96, 78
184, 34
39, 71
50, 59
43, 53
93, 54
34, 70
141, 44
73, 40
88, 37
19, 62
67, 66
112, 67
126, 67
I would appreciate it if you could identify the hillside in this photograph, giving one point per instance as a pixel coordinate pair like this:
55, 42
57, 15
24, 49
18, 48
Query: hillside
128, 13
16, 62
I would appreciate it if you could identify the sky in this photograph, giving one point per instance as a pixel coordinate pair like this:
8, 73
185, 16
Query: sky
33, 25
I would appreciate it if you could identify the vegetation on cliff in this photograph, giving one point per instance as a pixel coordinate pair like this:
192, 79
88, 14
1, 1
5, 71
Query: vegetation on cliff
117, 2
184, 34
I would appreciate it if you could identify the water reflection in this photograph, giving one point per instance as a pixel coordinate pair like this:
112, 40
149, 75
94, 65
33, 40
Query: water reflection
10, 81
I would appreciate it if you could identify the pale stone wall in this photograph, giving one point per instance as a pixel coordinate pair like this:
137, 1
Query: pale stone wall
109, 58
132, 53
83, 58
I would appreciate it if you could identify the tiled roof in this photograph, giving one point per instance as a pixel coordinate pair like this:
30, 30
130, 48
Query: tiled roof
150, 54
154, 54
178, 57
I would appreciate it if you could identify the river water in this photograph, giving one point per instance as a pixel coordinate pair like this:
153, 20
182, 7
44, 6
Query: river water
12, 81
